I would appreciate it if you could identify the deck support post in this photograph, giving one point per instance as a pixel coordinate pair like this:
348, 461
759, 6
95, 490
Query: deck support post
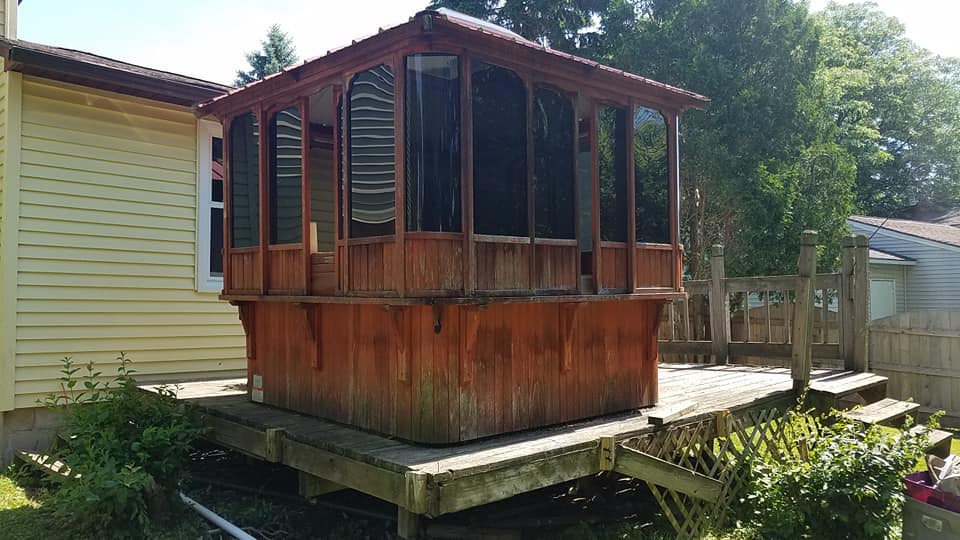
719, 307
861, 300
409, 525
846, 307
802, 350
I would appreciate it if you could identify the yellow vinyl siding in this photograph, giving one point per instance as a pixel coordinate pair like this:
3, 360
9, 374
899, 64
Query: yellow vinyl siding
107, 242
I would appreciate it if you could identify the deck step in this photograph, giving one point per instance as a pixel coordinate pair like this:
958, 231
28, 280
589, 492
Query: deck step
887, 411
46, 464
847, 383
938, 440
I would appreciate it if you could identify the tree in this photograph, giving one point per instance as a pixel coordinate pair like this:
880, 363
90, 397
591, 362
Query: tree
276, 52
895, 106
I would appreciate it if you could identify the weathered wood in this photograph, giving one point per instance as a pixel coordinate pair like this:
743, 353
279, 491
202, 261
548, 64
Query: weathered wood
719, 307
802, 351
887, 411
409, 525
665, 416
663, 473
861, 300
845, 302
310, 486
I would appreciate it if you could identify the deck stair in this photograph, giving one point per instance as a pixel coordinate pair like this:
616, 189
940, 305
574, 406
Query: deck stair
886, 412
850, 387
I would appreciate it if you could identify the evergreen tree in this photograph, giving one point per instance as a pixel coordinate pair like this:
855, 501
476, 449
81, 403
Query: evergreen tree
276, 52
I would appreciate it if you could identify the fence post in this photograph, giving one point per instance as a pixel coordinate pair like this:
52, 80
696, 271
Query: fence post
861, 300
802, 350
719, 307
846, 308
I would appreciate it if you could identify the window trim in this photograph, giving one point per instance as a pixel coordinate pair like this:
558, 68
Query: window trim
206, 131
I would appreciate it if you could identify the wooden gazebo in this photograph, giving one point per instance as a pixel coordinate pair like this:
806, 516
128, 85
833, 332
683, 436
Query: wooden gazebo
445, 232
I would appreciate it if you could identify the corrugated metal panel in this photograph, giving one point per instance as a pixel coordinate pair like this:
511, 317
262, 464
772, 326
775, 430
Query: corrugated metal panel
107, 242
933, 283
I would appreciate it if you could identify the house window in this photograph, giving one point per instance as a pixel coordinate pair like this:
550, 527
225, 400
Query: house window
612, 150
651, 165
433, 143
499, 101
373, 208
209, 208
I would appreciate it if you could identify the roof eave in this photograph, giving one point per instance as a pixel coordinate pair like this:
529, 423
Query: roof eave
51, 66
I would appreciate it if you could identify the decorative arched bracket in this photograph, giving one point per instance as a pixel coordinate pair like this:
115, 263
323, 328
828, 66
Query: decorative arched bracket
246, 311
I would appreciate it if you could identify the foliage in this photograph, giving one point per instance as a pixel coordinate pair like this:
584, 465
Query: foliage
276, 52
127, 451
813, 117
845, 482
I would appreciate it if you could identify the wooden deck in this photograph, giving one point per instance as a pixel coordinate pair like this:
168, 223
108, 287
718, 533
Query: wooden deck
433, 480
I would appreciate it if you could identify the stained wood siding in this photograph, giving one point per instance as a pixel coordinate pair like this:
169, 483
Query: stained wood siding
933, 283
107, 242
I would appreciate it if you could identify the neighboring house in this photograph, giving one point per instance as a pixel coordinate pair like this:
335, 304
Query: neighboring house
110, 226
914, 265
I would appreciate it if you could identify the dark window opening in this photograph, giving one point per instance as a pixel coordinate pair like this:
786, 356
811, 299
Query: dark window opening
216, 207
244, 181
553, 177
651, 166
585, 185
373, 206
612, 157
321, 170
286, 177
432, 191
499, 152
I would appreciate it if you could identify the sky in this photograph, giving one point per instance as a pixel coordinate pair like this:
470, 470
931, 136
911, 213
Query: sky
208, 38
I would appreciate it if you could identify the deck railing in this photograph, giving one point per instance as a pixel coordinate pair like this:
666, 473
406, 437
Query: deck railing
797, 320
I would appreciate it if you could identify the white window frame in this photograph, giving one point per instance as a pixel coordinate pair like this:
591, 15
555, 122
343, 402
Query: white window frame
206, 131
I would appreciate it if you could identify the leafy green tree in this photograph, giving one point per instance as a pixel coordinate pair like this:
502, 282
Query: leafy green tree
276, 52
896, 108
565, 25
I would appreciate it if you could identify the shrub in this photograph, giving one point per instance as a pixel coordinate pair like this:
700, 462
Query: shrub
127, 451
846, 482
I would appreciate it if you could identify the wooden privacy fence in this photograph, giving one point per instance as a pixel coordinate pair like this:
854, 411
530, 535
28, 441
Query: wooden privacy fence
919, 353
797, 320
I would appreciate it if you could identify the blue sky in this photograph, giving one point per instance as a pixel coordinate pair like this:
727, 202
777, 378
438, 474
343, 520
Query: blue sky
207, 38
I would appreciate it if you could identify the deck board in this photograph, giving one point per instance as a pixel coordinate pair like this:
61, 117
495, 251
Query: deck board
478, 472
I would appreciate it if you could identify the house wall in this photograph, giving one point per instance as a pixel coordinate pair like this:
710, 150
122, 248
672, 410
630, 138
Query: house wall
107, 243
898, 273
933, 283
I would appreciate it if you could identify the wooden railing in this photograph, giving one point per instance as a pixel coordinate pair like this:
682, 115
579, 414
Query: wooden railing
797, 320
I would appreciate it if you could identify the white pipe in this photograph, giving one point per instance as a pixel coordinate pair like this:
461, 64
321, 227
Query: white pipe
227, 527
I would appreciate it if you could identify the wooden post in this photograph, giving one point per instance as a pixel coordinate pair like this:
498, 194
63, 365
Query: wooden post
845, 303
861, 300
719, 307
802, 351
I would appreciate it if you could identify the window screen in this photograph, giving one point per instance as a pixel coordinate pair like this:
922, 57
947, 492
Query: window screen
372, 175
612, 149
554, 174
432, 143
244, 183
286, 177
499, 152
651, 165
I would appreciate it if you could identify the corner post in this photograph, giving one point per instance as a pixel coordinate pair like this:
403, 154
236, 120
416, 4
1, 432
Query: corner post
861, 300
802, 350
846, 306
719, 307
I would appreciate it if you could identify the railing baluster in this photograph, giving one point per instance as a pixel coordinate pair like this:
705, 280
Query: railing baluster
766, 307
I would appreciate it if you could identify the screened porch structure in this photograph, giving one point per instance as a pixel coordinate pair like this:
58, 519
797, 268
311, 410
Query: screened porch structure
429, 231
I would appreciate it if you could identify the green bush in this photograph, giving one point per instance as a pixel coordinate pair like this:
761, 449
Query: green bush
127, 452
844, 483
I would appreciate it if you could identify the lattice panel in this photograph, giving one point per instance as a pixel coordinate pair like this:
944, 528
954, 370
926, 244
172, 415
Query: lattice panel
719, 447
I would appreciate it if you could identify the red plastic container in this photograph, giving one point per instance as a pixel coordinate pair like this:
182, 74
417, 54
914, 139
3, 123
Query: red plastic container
920, 488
